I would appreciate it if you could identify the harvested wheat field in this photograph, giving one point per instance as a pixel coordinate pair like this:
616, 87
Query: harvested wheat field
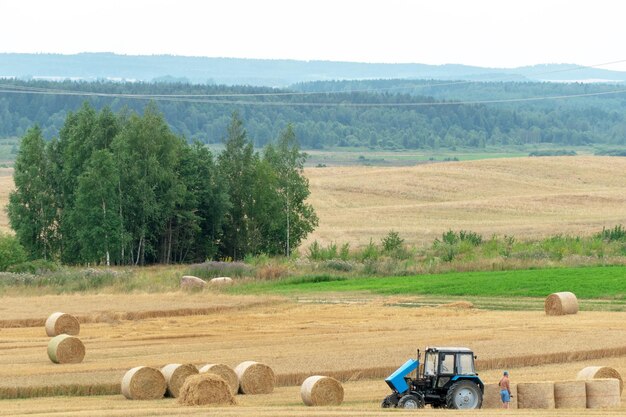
358, 344
523, 197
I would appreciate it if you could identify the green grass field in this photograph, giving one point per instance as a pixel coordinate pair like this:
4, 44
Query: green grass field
587, 283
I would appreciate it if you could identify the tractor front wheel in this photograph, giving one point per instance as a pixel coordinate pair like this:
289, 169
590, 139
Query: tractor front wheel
464, 395
411, 401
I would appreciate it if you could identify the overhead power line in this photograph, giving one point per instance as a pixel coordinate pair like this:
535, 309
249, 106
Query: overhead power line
319, 104
203, 98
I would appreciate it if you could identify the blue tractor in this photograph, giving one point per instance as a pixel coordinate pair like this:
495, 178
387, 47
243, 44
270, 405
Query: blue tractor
447, 379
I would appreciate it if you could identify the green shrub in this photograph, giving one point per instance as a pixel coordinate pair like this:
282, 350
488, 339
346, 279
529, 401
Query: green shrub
618, 233
370, 252
319, 253
37, 267
313, 279
11, 252
471, 237
344, 252
338, 265
214, 269
392, 242
451, 238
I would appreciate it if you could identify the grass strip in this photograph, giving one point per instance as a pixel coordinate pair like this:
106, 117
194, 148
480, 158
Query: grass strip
585, 282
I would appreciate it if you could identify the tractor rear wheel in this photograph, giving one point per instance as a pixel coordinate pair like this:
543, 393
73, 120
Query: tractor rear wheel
411, 401
464, 395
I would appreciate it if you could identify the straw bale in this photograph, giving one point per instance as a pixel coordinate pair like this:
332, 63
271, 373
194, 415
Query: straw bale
561, 303
321, 390
594, 372
603, 393
66, 349
62, 323
175, 375
570, 394
535, 395
143, 383
204, 389
255, 378
221, 281
491, 396
189, 281
226, 372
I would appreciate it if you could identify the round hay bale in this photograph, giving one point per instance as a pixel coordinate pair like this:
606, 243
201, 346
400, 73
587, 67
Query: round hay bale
570, 394
603, 393
175, 375
226, 372
255, 378
189, 281
62, 323
205, 389
66, 349
561, 303
221, 281
143, 383
597, 372
535, 395
321, 390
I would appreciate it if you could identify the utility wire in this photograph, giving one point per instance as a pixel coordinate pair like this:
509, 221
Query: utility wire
199, 98
318, 104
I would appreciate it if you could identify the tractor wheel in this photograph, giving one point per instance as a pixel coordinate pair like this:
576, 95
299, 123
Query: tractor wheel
389, 401
464, 395
411, 401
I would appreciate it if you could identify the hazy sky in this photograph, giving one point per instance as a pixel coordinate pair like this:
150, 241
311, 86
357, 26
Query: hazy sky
498, 33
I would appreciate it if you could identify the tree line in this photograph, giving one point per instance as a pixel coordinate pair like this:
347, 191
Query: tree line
122, 188
391, 124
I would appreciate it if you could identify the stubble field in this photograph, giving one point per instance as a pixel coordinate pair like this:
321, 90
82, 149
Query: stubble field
359, 341
522, 197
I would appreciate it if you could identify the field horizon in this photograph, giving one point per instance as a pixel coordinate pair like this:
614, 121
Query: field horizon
524, 197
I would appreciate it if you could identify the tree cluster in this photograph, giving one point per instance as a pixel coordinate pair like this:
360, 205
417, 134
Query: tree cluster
123, 189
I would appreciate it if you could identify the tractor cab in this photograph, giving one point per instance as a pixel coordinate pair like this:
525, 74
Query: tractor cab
446, 379
442, 364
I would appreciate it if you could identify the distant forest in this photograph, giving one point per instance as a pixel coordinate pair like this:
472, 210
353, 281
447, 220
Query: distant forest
380, 114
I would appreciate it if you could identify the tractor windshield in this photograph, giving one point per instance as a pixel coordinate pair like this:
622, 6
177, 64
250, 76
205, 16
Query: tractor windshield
465, 365
430, 364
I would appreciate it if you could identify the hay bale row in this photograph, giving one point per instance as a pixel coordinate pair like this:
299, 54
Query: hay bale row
206, 389
561, 303
592, 393
143, 383
491, 396
175, 375
535, 395
224, 371
255, 378
62, 323
600, 372
66, 349
320, 390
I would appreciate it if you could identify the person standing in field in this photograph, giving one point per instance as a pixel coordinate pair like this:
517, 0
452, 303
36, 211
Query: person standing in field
505, 390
